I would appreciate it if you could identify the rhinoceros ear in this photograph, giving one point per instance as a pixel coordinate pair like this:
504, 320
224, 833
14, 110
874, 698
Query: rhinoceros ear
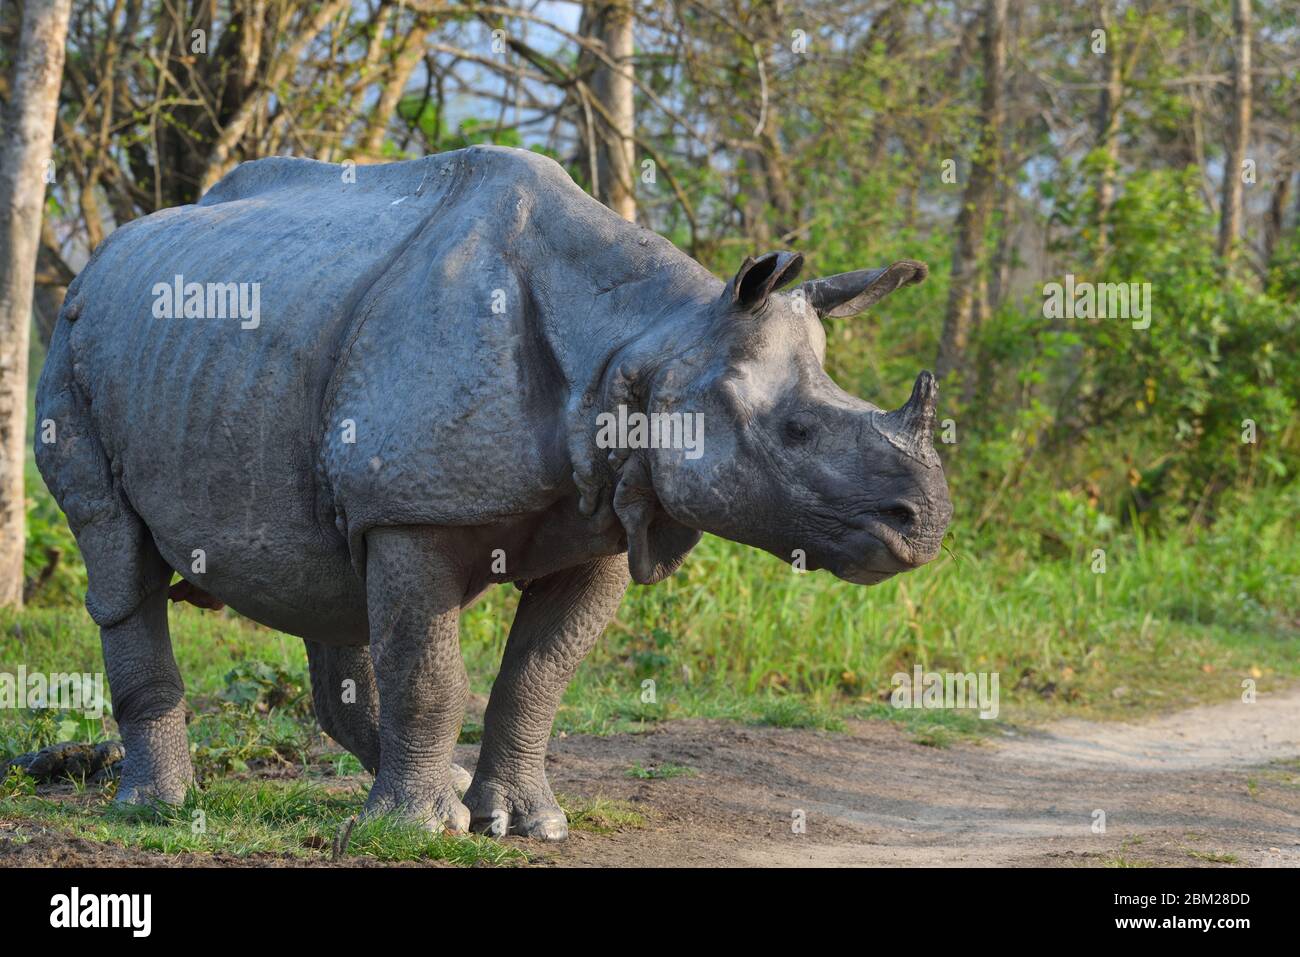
850, 293
756, 279
656, 544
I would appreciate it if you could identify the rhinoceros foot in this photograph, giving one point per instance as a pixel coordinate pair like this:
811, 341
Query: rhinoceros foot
528, 811
156, 769
442, 813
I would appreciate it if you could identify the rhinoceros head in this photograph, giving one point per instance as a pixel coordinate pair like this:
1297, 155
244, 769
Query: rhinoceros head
787, 461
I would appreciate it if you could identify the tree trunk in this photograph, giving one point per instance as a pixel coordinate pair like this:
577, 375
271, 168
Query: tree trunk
888, 29
28, 139
1276, 214
1230, 206
403, 66
611, 24
972, 221
1108, 124
775, 163
53, 276
1005, 251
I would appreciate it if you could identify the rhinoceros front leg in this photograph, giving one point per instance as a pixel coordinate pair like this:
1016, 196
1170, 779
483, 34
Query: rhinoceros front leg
559, 619
413, 591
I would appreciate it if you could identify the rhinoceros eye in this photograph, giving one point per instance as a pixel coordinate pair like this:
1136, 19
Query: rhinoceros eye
799, 429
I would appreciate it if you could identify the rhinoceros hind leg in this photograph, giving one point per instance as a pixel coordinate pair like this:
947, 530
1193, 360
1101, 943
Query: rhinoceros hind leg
349, 713
414, 592
559, 619
148, 704
345, 698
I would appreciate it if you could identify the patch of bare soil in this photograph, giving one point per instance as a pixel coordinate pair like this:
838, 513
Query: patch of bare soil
1200, 787
1212, 786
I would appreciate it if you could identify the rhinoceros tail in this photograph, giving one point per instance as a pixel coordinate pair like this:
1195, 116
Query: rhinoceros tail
122, 564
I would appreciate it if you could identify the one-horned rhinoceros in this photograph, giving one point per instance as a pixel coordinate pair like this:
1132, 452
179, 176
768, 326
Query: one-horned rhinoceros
345, 401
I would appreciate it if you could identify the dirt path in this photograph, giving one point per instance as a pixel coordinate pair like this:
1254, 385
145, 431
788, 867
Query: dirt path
1212, 786
1194, 788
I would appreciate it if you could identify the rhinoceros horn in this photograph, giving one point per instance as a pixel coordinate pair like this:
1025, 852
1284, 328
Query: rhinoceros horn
909, 427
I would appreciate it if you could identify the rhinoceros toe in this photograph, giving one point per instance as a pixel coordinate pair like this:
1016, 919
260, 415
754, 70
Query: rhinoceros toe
460, 780
550, 825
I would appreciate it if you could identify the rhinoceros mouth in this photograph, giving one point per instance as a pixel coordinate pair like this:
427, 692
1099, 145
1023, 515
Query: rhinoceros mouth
864, 576
880, 525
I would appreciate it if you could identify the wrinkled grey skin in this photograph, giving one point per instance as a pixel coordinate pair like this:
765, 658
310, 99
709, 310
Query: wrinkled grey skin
355, 469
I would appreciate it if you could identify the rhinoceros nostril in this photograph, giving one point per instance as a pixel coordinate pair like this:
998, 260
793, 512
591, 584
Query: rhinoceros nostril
901, 514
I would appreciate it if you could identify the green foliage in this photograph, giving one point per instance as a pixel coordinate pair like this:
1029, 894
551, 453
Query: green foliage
1284, 271
39, 728
51, 563
262, 686
17, 783
234, 739
1218, 353
1152, 423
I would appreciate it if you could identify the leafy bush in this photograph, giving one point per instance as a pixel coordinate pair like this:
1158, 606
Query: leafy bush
1155, 421
262, 687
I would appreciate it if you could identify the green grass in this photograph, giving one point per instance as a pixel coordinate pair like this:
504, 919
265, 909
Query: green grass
1214, 858
1169, 621
295, 819
660, 772
794, 712
600, 815
1285, 773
